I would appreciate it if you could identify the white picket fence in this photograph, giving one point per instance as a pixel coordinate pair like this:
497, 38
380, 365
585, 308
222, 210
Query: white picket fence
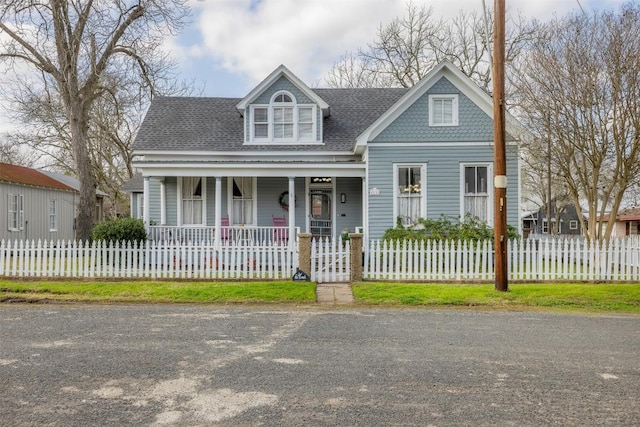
153, 260
330, 261
535, 260
530, 260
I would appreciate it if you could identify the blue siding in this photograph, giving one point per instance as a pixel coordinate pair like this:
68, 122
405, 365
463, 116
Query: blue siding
442, 182
348, 214
413, 124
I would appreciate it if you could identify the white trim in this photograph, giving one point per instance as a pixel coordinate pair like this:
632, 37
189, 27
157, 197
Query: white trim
235, 170
139, 204
438, 144
270, 139
489, 166
203, 183
454, 109
423, 188
214, 155
254, 197
146, 194
163, 202
271, 78
55, 215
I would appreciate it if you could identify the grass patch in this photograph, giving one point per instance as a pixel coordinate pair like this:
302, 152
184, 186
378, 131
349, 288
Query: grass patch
562, 296
161, 291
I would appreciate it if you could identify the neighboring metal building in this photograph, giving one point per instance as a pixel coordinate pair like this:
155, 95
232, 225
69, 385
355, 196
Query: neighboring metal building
38, 205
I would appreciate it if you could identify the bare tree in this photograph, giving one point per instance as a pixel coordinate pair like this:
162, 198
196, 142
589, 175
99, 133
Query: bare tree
406, 49
582, 77
73, 48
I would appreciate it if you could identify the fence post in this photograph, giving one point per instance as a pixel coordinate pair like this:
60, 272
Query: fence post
355, 240
304, 252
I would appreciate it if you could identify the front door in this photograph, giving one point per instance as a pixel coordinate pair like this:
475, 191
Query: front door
320, 224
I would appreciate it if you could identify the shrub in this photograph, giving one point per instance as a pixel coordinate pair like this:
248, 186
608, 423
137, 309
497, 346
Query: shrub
120, 229
445, 228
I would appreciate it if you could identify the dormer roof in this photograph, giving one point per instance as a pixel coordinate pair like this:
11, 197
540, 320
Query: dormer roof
279, 72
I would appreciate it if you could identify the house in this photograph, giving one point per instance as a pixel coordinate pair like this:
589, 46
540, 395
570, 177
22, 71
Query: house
627, 222
327, 160
40, 205
564, 222
135, 188
98, 214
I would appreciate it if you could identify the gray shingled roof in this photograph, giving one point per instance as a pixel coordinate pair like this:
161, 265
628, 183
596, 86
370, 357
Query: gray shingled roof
135, 184
214, 124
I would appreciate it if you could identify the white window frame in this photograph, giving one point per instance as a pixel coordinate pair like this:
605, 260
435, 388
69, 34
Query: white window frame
53, 215
273, 104
573, 224
203, 181
489, 167
454, 109
15, 212
140, 206
254, 198
423, 189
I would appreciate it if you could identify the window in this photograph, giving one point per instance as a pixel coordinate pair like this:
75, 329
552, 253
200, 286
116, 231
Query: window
573, 224
52, 216
545, 226
283, 120
443, 110
476, 192
192, 200
410, 203
16, 212
140, 206
242, 202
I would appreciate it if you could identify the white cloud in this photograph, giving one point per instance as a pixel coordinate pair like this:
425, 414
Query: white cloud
252, 37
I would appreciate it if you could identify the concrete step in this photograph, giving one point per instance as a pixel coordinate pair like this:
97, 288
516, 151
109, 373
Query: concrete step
334, 293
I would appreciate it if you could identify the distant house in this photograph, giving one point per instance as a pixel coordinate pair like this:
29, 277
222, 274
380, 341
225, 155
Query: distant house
39, 204
626, 223
565, 224
135, 188
325, 160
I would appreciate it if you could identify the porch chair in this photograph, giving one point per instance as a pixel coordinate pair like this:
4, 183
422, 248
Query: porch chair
280, 232
224, 230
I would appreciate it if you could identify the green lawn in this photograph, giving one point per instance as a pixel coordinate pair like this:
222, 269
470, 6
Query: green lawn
557, 296
564, 296
159, 291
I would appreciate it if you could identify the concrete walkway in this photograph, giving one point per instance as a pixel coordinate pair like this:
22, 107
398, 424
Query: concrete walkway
334, 293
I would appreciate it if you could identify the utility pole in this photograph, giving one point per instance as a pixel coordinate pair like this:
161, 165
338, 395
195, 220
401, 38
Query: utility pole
499, 158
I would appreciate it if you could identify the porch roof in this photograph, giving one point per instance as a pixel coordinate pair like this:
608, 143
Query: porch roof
214, 124
252, 168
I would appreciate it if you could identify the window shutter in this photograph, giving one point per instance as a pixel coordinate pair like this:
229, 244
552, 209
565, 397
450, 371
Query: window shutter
9, 211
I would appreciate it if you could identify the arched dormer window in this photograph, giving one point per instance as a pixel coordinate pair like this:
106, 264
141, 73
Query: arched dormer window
283, 120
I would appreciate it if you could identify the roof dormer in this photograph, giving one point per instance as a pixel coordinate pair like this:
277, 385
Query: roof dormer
283, 110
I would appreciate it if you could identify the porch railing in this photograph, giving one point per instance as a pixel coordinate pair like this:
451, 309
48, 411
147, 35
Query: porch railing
231, 235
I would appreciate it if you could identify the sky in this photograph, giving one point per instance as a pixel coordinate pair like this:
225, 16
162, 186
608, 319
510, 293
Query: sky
231, 45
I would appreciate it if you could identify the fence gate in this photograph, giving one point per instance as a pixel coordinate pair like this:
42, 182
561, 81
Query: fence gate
330, 261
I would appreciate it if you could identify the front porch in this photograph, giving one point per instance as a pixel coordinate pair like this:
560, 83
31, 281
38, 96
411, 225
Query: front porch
253, 210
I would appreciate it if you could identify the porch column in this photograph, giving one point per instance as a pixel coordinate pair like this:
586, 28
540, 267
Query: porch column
163, 202
292, 211
145, 204
365, 209
218, 211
